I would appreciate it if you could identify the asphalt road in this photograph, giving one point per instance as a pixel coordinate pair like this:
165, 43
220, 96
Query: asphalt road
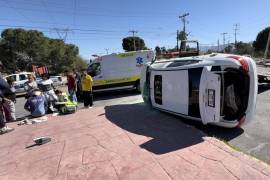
253, 138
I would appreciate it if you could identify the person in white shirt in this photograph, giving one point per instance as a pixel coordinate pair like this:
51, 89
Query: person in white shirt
46, 85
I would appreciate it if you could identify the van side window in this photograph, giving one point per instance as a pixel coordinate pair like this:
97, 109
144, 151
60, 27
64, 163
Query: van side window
94, 69
22, 77
183, 63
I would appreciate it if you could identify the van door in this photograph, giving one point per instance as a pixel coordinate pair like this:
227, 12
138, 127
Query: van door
209, 96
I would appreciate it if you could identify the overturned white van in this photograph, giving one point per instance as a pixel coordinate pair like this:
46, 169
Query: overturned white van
219, 89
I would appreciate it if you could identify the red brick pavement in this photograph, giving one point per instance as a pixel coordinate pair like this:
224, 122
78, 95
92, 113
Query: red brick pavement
121, 142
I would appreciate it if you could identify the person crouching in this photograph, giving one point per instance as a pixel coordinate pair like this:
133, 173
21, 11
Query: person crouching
36, 104
64, 104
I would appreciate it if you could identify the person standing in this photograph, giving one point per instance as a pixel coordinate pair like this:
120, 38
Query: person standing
9, 102
72, 86
87, 84
4, 90
78, 85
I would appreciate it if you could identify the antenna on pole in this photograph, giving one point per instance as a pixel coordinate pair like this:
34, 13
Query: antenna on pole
133, 34
224, 40
235, 33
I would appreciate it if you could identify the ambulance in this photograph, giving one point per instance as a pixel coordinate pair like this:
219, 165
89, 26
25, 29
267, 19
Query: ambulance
119, 71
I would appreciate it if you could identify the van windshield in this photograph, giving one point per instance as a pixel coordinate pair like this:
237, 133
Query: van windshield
236, 91
194, 77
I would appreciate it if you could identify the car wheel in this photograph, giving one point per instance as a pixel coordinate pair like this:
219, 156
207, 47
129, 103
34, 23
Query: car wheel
138, 86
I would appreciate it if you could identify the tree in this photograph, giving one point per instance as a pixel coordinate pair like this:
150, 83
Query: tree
128, 44
19, 48
80, 63
228, 49
182, 36
261, 40
163, 49
243, 48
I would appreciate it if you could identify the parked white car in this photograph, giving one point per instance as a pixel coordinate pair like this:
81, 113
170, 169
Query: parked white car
218, 89
58, 80
20, 79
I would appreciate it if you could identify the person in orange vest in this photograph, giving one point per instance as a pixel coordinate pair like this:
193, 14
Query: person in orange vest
87, 84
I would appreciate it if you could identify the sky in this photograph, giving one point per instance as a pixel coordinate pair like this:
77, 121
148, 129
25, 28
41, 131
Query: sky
98, 26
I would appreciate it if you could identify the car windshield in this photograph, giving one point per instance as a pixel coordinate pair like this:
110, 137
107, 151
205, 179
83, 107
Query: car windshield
194, 76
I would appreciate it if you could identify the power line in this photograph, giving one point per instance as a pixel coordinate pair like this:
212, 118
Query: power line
43, 27
87, 8
12, 7
92, 14
74, 12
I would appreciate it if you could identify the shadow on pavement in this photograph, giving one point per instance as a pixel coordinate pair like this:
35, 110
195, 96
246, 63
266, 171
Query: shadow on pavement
225, 134
166, 132
114, 94
169, 132
263, 87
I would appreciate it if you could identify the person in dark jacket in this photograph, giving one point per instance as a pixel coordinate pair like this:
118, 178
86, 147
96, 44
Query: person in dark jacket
9, 103
4, 92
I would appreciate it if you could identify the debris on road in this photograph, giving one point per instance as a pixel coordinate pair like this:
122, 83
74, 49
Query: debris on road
27, 121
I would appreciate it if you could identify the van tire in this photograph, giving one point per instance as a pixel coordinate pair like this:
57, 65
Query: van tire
138, 86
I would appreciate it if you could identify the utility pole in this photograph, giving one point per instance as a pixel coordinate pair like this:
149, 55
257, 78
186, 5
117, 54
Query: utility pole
235, 34
218, 45
183, 18
267, 47
107, 50
133, 34
224, 40
177, 40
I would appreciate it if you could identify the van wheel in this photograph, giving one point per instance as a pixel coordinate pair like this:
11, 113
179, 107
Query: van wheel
138, 86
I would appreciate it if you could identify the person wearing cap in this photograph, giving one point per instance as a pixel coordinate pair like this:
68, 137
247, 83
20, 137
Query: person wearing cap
36, 104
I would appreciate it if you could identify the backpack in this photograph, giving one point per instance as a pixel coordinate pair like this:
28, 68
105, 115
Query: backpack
69, 107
